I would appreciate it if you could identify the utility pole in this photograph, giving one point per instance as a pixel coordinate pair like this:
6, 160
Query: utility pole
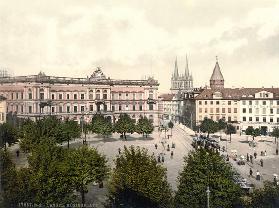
208, 193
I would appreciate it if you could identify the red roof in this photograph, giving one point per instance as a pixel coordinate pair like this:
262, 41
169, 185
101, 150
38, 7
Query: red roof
237, 93
166, 97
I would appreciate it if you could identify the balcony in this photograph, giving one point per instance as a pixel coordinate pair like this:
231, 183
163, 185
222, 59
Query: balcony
151, 101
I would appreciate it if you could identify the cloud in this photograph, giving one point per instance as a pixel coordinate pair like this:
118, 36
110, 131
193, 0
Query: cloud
130, 39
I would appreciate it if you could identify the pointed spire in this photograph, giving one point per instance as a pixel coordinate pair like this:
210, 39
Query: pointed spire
217, 79
175, 69
186, 67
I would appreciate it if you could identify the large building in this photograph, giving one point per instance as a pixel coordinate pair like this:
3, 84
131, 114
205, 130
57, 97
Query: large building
3, 109
75, 98
257, 107
181, 82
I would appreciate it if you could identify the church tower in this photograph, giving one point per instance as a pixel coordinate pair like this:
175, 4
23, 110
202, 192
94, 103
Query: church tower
217, 79
181, 82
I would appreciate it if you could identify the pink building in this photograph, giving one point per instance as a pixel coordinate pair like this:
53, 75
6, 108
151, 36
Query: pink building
38, 95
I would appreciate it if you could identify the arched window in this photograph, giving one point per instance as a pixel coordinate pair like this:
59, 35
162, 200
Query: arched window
98, 95
150, 94
29, 94
105, 95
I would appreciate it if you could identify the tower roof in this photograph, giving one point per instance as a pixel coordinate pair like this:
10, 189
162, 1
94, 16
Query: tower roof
217, 74
175, 69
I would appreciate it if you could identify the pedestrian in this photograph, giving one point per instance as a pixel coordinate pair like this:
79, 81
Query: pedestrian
119, 150
255, 155
171, 154
251, 159
228, 158
159, 159
276, 151
224, 148
258, 177
163, 159
265, 153
156, 146
247, 157
261, 161
251, 172
17, 153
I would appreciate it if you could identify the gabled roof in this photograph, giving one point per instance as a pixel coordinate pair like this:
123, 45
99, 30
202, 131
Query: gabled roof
237, 93
217, 74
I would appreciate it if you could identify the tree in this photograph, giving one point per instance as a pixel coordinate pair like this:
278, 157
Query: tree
170, 125
70, 130
209, 126
144, 126
8, 134
222, 124
263, 197
101, 125
253, 132
275, 133
50, 177
124, 125
88, 165
230, 130
138, 181
205, 168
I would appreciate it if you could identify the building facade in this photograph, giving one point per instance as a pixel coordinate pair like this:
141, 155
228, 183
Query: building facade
3, 109
256, 107
75, 98
181, 82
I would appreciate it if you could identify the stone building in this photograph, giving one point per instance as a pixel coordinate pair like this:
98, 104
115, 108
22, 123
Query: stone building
35, 96
256, 107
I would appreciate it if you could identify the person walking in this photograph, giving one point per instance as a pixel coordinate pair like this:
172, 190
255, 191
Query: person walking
163, 159
17, 153
171, 154
156, 146
251, 159
261, 161
119, 150
258, 177
159, 159
255, 155
251, 172
247, 157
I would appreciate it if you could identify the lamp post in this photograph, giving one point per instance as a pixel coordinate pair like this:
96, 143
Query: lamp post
208, 194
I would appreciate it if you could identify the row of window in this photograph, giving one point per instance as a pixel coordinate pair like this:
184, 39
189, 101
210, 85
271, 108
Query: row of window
244, 102
218, 110
257, 119
257, 110
91, 108
211, 102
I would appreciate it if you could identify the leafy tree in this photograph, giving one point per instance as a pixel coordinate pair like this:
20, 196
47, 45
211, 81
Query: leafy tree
171, 125
50, 177
209, 126
144, 126
275, 133
124, 125
70, 129
222, 124
206, 168
8, 134
101, 125
230, 130
88, 165
138, 181
253, 132
263, 197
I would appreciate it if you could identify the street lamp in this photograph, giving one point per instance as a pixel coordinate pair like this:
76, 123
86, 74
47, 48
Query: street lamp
208, 194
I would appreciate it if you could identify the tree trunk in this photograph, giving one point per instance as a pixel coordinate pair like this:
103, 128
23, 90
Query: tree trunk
230, 137
146, 135
82, 196
68, 143
125, 136
171, 131
208, 135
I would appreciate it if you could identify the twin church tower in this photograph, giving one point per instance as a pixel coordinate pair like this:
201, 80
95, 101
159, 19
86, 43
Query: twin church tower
184, 82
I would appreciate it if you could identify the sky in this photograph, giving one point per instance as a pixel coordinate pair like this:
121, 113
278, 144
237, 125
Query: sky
133, 39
